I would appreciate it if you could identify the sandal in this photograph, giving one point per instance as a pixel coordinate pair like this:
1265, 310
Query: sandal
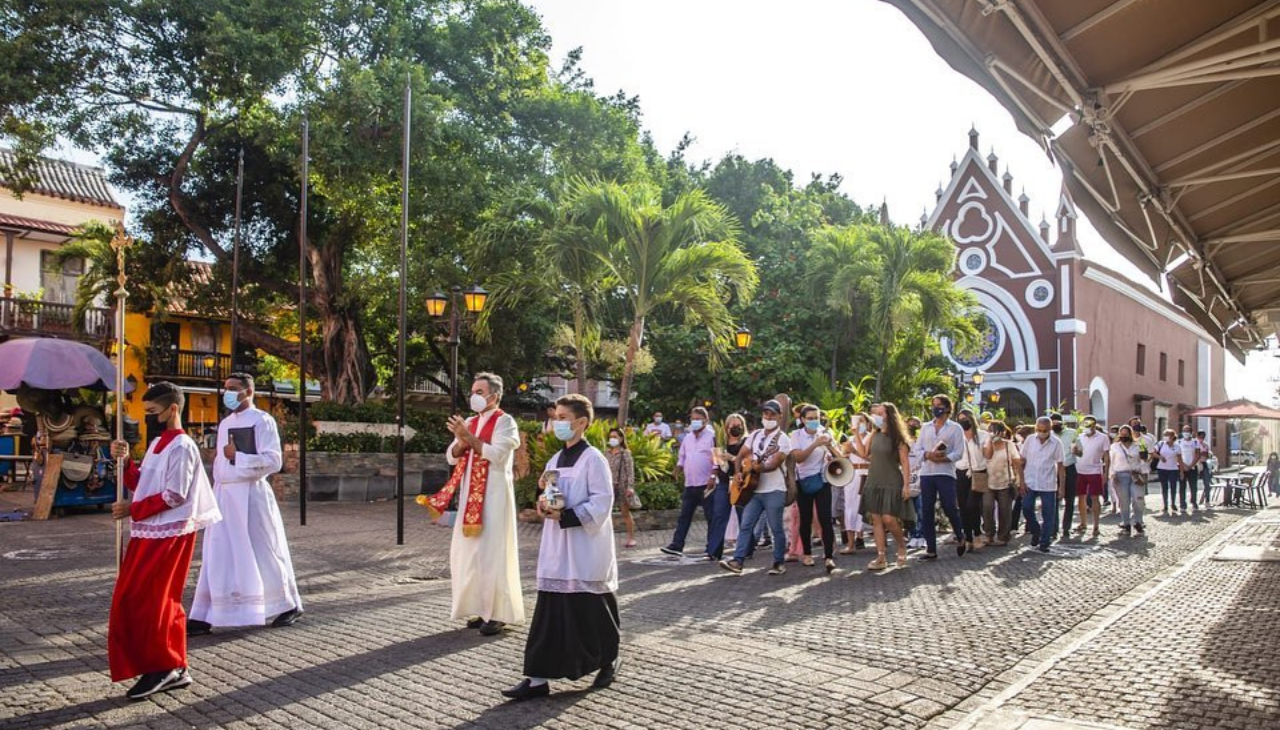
807, 561
630, 544
902, 557
848, 550
877, 564
830, 565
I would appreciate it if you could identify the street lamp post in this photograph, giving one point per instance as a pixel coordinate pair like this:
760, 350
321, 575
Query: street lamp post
438, 304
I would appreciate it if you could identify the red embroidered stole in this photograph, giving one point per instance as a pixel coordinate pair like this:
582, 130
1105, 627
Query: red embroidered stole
473, 510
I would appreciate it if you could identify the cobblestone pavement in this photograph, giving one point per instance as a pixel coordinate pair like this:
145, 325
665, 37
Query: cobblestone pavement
1139, 633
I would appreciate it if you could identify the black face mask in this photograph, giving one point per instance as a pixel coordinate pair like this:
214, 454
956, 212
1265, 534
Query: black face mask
1126, 439
913, 430
939, 411
735, 431
1057, 428
966, 425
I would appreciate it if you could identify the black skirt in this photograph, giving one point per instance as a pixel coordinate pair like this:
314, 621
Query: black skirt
572, 635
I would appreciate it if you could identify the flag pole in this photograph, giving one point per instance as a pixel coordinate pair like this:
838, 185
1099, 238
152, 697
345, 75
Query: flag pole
235, 268
119, 242
404, 335
302, 326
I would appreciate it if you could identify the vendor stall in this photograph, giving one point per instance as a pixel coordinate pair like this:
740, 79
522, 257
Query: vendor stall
64, 385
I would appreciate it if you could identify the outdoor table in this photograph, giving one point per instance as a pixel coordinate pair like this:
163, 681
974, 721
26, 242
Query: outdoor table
13, 461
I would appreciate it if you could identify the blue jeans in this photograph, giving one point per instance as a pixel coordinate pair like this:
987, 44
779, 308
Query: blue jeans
933, 488
719, 516
689, 502
1168, 488
1042, 532
917, 530
1206, 476
769, 504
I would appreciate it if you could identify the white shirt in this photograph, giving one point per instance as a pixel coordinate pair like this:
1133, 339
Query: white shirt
759, 443
1091, 450
1168, 455
1190, 450
661, 429
1125, 458
930, 436
973, 457
1042, 460
1001, 473
817, 460
1068, 437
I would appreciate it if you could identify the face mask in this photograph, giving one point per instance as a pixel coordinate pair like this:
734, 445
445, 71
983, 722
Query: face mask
812, 425
614, 442
939, 411
1057, 428
878, 421
1186, 434
862, 427
478, 402
1126, 439
695, 424
1042, 433
735, 431
966, 425
913, 430
657, 419
768, 423
231, 399
564, 430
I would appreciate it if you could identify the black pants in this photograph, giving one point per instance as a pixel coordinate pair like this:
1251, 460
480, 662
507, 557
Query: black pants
971, 511
806, 502
964, 488
1070, 508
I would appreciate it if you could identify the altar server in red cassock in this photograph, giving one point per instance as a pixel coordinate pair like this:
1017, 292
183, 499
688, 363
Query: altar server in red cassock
172, 499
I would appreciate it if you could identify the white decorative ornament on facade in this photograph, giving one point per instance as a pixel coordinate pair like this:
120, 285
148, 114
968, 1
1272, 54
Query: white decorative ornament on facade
1039, 293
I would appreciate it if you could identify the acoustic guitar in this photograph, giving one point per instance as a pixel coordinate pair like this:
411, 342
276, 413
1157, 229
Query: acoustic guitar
743, 484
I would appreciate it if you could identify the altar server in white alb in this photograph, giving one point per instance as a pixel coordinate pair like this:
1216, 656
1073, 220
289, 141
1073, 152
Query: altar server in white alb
246, 574
483, 564
575, 629
172, 500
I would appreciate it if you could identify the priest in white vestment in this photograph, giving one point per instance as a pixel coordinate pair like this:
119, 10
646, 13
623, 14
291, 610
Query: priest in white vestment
246, 572
484, 566
576, 626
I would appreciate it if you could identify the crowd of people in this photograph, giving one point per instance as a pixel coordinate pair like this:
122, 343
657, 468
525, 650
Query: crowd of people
1055, 478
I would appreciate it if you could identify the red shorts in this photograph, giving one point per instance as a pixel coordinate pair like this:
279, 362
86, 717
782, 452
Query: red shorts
1089, 484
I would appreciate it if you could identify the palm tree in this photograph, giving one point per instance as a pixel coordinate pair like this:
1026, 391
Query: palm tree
904, 276
563, 269
685, 256
92, 243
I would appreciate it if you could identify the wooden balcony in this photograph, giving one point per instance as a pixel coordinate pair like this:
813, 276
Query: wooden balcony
35, 318
211, 367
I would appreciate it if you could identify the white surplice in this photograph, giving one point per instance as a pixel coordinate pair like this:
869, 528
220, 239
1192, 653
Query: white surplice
485, 569
581, 560
246, 573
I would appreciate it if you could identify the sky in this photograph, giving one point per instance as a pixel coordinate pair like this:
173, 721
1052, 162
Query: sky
821, 86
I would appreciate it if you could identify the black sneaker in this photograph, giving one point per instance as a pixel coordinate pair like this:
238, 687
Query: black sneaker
668, 550
1126, 530
765, 542
733, 566
777, 569
492, 628
859, 544
607, 674
154, 682
475, 622
1139, 528
198, 628
1044, 548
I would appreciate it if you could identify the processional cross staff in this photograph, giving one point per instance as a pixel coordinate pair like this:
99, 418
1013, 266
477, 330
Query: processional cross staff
119, 243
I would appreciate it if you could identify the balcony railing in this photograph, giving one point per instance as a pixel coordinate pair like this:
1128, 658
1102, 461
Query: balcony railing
32, 317
191, 364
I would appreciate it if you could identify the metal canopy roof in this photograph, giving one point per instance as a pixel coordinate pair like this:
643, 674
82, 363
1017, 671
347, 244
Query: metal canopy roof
1173, 148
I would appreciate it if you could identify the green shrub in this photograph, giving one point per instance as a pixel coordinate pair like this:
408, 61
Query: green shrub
527, 490
659, 495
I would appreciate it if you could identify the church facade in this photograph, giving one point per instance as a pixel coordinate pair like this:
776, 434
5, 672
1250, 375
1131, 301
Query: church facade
1061, 331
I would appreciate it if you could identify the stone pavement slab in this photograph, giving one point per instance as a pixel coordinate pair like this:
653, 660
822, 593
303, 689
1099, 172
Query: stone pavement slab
906, 648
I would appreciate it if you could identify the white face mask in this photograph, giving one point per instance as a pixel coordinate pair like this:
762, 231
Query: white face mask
877, 420
478, 403
768, 423
614, 442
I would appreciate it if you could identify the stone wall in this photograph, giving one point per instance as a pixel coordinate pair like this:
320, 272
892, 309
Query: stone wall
335, 477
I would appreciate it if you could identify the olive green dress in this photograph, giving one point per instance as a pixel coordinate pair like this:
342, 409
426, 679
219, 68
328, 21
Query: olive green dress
882, 489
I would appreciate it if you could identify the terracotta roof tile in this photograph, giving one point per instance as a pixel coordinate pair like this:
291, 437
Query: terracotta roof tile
69, 180
17, 221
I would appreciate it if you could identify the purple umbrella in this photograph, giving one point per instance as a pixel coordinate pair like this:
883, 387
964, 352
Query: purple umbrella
50, 364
